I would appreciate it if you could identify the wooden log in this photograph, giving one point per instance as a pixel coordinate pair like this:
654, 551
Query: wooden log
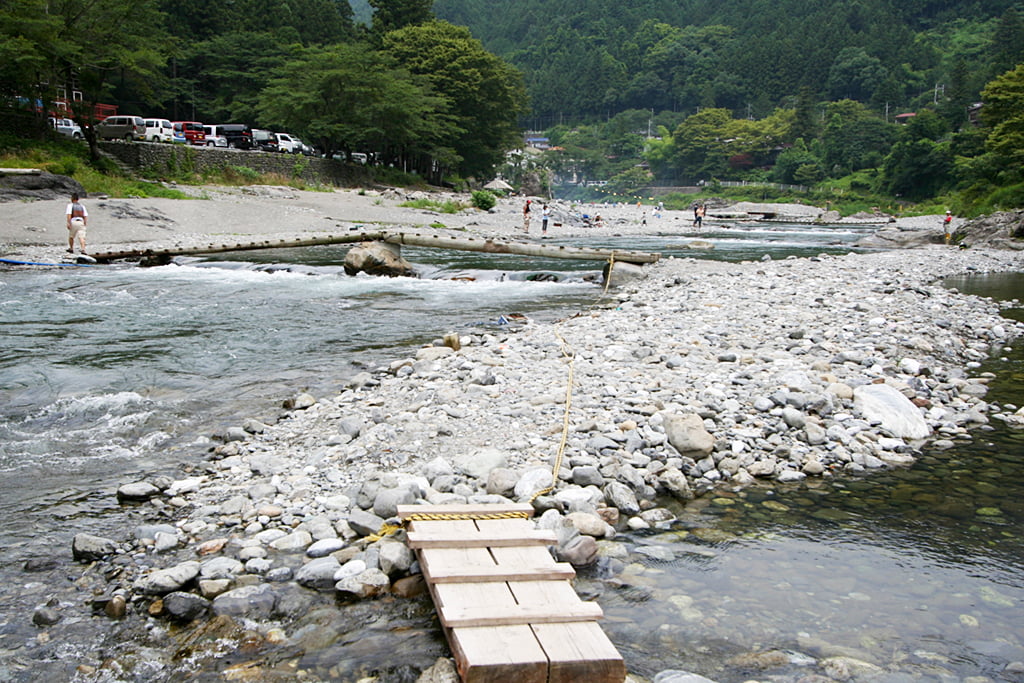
490, 246
415, 239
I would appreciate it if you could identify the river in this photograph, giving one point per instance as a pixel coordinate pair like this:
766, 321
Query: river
113, 371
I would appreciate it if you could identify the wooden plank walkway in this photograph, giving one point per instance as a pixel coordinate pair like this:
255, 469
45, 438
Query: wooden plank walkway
508, 609
437, 241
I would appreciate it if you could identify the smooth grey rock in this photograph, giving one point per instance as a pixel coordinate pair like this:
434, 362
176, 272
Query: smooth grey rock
185, 606
688, 435
620, 496
364, 523
318, 573
297, 540
478, 463
884, 404
251, 602
221, 568
395, 557
325, 547
163, 581
367, 584
137, 491
88, 548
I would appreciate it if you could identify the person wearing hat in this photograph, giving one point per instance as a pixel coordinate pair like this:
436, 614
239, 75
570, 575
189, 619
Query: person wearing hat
947, 222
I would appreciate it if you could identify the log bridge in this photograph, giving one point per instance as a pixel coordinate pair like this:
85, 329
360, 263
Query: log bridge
508, 609
485, 245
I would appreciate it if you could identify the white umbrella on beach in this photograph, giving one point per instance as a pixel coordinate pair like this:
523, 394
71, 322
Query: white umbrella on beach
498, 184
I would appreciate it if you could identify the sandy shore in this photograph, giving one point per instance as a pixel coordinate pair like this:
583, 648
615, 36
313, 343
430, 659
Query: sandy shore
35, 230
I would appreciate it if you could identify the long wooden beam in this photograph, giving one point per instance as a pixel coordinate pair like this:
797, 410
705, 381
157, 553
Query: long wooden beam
488, 246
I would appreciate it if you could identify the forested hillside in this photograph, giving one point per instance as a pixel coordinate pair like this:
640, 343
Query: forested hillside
601, 57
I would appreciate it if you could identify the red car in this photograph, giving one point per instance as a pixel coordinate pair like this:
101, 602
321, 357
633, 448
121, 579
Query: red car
192, 130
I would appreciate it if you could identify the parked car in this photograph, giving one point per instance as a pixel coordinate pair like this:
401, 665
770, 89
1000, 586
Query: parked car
121, 128
178, 137
159, 130
288, 143
238, 135
264, 140
212, 139
67, 128
307, 150
193, 131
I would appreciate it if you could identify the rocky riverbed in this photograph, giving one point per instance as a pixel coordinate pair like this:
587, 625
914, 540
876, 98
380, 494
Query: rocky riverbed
696, 376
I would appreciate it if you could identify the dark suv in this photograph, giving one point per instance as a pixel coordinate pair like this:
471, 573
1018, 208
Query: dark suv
238, 135
264, 140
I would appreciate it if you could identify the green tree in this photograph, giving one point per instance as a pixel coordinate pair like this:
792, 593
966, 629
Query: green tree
855, 75
103, 44
391, 15
28, 38
349, 97
486, 94
920, 164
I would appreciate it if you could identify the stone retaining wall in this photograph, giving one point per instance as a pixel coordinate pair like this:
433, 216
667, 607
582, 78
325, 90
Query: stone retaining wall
163, 159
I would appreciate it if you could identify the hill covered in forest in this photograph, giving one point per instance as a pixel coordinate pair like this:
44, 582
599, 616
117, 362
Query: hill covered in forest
601, 57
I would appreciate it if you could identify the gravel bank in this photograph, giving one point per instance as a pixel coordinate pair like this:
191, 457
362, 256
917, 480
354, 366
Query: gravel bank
701, 375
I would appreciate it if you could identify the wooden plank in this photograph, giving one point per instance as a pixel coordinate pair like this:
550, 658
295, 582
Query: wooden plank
491, 615
447, 539
498, 655
576, 651
505, 614
405, 511
485, 655
580, 652
432, 573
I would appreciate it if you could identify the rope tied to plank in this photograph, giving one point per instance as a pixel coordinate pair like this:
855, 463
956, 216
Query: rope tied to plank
570, 356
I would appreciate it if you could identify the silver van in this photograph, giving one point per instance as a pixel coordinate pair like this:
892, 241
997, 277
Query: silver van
119, 127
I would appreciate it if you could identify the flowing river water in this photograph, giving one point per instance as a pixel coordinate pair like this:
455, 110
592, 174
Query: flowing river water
110, 372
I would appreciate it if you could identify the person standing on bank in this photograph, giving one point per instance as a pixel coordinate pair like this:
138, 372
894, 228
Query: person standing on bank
77, 219
526, 216
545, 214
947, 223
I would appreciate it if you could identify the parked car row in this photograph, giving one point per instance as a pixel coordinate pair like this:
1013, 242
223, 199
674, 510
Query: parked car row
226, 135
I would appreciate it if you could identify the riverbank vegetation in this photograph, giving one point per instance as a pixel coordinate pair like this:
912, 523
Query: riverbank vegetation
870, 104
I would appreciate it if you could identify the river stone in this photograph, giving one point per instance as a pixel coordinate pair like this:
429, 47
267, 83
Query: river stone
318, 574
674, 676
587, 475
211, 588
386, 503
688, 435
251, 602
478, 464
221, 568
137, 491
620, 496
163, 581
675, 482
364, 523
88, 548
44, 615
297, 540
325, 547
588, 524
532, 481
579, 551
438, 467
894, 411
367, 584
185, 606
395, 557
501, 481
149, 531
377, 258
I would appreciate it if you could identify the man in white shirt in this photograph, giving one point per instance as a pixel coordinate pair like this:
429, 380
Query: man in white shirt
77, 218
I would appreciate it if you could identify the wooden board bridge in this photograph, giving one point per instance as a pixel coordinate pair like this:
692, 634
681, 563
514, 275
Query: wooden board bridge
485, 245
508, 609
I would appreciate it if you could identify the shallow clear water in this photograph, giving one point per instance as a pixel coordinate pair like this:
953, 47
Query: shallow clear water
105, 372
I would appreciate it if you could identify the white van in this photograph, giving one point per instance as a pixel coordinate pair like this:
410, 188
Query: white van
159, 130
